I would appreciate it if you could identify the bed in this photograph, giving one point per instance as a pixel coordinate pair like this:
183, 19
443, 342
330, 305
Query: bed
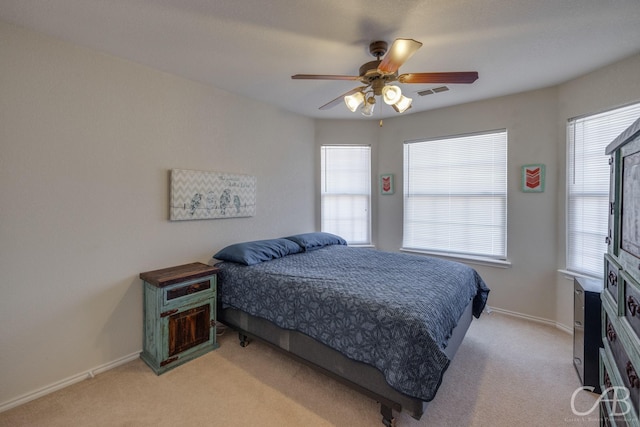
387, 324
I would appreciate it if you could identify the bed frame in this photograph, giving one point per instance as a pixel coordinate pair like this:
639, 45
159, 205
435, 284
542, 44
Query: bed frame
362, 377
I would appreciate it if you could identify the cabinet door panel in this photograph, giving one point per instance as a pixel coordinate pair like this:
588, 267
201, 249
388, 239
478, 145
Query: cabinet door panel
189, 328
624, 365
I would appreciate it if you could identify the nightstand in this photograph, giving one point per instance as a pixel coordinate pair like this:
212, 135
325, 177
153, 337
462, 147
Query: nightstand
179, 315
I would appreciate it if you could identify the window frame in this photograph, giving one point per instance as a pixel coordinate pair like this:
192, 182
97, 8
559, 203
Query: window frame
579, 268
367, 241
499, 259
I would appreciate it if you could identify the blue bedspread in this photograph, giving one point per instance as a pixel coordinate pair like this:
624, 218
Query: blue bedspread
390, 310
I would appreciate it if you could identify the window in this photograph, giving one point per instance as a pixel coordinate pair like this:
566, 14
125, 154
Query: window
588, 186
455, 195
346, 192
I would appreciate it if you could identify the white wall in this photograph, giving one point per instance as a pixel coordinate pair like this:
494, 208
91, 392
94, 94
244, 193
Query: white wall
86, 145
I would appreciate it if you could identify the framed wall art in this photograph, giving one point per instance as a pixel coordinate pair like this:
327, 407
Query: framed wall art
386, 184
211, 195
533, 178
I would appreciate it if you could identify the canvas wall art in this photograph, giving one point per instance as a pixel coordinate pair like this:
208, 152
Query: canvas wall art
211, 195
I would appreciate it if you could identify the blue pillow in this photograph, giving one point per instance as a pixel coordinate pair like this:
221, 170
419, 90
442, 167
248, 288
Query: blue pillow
317, 240
250, 253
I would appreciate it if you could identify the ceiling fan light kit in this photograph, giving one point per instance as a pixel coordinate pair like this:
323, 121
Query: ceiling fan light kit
377, 76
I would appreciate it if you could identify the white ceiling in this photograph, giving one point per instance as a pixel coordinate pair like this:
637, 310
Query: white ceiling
252, 47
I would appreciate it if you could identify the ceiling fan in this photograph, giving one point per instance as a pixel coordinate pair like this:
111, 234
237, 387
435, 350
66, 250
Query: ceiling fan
377, 76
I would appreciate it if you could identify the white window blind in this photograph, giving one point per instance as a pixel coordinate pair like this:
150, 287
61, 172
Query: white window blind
455, 195
346, 192
588, 186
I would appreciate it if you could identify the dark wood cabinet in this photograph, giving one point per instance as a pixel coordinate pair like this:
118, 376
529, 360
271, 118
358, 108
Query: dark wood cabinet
620, 355
179, 315
587, 338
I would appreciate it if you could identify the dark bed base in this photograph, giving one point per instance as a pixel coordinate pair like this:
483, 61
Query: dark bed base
362, 377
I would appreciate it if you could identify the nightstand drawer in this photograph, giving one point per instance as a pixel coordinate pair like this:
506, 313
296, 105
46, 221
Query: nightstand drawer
188, 292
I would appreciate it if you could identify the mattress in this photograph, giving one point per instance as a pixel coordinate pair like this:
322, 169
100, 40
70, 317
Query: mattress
390, 310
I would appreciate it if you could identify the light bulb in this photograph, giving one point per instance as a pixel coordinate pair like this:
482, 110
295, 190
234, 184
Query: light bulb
391, 94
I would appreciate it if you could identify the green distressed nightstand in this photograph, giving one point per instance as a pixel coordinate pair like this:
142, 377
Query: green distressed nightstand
179, 315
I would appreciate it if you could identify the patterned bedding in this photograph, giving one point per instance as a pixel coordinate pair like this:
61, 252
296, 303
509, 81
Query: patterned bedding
390, 310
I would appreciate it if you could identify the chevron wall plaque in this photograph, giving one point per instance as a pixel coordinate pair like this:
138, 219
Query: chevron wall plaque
211, 195
533, 178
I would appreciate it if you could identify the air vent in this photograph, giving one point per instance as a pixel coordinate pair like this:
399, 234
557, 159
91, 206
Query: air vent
433, 90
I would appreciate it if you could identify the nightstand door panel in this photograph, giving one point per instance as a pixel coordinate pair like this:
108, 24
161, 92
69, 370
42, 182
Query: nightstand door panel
188, 329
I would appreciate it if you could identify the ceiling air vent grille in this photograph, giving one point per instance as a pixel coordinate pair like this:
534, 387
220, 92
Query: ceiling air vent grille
433, 90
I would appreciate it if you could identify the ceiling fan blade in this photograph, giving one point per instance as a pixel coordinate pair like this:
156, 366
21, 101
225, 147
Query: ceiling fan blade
323, 77
451, 77
401, 50
340, 99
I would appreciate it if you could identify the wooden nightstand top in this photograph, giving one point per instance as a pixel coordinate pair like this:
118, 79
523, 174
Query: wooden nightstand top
180, 273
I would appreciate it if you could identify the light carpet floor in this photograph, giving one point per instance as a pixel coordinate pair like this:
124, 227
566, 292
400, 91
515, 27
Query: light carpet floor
507, 372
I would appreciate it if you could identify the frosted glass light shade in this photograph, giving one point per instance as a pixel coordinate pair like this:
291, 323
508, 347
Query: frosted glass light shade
391, 94
354, 101
403, 104
367, 108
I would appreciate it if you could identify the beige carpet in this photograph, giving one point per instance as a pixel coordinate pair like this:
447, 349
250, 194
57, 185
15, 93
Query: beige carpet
508, 372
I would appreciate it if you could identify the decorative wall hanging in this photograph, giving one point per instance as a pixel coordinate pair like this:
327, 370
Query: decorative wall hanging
533, 178
211, 195
386, 184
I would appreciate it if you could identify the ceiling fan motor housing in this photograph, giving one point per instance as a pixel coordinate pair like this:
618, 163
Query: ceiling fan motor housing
370, 75
369, 69
378, 48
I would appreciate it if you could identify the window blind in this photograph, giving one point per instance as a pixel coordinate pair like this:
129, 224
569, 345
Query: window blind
346, 192
588, 186
455, 195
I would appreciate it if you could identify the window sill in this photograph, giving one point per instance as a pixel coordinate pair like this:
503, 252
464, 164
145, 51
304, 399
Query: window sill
572, 274
464, 258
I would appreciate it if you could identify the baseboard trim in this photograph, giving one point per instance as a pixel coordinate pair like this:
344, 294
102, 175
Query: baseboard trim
536, 319
58, 385
121, 361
